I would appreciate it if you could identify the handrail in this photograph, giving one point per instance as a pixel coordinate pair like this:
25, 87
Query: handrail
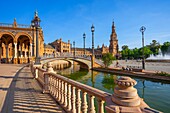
84, 87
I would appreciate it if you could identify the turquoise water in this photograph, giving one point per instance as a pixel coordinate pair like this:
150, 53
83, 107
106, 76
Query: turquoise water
155, 93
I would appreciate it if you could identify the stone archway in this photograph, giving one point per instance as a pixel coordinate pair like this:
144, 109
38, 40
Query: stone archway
24, 47
6, 47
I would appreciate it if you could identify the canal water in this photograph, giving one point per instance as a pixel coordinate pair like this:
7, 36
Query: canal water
155, 93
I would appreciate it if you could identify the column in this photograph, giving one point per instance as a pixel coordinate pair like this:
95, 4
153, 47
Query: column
0, 50
21, 50
25, 53
15, 61
30, 50
6, 53
15, 50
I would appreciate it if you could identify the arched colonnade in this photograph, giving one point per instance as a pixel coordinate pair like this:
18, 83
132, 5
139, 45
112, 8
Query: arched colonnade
15, 48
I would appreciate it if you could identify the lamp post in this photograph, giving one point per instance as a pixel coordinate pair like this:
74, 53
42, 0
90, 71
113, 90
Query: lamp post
32, 25
36, 24
84, 36
142, 30
92, 30
92, 59
74, 48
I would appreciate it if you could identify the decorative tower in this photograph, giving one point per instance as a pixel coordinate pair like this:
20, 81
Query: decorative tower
113, 47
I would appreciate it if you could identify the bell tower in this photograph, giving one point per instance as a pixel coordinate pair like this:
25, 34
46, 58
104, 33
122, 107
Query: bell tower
113, 47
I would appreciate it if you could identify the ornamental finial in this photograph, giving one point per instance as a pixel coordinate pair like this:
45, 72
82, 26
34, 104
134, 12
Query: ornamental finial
36, 13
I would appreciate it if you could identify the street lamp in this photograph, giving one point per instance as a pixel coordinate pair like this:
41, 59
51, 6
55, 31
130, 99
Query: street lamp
84, 36
142, 30
74, 48
92, 30
32, 25
92, 58
36, 23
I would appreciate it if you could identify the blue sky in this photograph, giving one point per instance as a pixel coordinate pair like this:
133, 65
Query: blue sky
69, 19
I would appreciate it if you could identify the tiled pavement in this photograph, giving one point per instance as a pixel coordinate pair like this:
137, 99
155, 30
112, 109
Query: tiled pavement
21, 93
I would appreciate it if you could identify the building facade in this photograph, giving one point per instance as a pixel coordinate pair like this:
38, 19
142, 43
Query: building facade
49, 51
18, 42
62, 47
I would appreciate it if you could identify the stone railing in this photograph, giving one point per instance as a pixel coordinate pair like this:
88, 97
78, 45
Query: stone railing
75, 97
12, 25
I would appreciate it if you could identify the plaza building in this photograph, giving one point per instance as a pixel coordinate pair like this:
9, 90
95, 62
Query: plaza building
80, 52
61, 46
49, 51
18, 42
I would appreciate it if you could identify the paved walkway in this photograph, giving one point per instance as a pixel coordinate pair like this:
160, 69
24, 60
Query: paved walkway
152, 66
21, 93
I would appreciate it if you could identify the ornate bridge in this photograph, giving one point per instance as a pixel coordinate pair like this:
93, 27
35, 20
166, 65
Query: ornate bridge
85, 62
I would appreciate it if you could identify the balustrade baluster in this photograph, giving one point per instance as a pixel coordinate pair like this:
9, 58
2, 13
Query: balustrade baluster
56, 88
73, 98
91, 104
52, 83
100, 106
78, 101
62, 93
59, 85
69, 97
84, 102
65, 95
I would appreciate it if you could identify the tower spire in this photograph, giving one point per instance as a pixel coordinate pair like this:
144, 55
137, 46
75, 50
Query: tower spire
113, 26
113, 47
36, 13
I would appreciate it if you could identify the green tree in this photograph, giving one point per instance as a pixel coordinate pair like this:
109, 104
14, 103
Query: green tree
164, 47
136, 53
107, 59
154, 47
125, 53
147, 52
125, 47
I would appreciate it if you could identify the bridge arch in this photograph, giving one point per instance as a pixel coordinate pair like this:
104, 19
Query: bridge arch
82, 64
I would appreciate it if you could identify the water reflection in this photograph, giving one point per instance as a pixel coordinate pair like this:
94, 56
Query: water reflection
108, 81
74, 67
143, 91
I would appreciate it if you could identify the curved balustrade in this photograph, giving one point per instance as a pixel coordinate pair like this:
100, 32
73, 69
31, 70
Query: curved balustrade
69, 94
76, 97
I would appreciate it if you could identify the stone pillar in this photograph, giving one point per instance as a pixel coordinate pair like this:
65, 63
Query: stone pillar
25, 53
92, 61
30, 50
0, 51
126, 91
15, 53
21, 51
6, 53
50, 67
126, 99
